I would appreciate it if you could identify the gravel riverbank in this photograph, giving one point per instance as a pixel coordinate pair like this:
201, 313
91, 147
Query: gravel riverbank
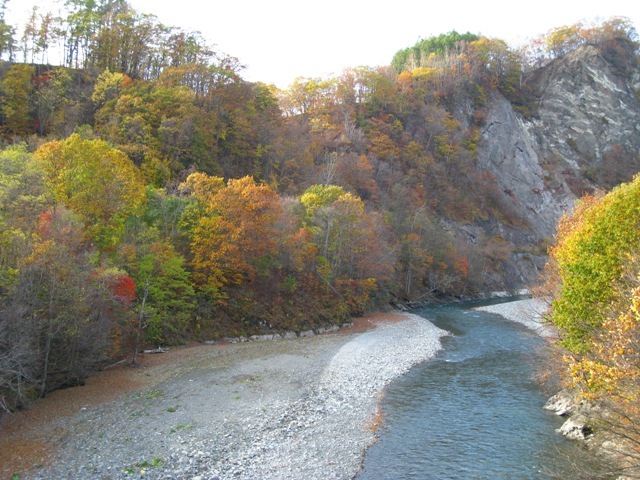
285, 409
528, 312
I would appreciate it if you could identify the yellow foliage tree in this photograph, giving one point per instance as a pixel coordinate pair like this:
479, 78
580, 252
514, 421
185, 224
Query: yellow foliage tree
592, 247
594, 274
97, 182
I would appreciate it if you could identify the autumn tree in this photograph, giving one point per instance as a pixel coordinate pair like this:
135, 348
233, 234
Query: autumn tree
592, 244
82, 24
56, 295
607, 372
110, 34
233, 241
609, 368
344, 234
502, 63
97, 182
592, 278
108, 86
132, 117
414, 258
7, 37
48, 96
194, 115
561, 40
21, 202
17, 359
22, 199
16, 91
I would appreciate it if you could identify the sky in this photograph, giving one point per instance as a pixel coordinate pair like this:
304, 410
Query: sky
279, 40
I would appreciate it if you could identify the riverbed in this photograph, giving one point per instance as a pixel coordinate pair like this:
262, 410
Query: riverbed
475, 411
306, 408
288, 409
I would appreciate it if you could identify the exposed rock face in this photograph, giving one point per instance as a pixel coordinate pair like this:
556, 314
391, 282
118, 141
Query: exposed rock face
587, 107
576, 427
561, 404
509, 150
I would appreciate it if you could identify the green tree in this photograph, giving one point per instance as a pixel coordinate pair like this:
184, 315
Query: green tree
166, 298
413, 57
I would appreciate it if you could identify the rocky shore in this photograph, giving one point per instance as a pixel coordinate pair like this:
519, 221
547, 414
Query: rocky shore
282, 409
530, 313
610, 456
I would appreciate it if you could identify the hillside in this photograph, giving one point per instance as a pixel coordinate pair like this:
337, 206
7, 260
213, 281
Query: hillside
150, 195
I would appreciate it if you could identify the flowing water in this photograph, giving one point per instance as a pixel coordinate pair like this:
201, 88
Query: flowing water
474, 411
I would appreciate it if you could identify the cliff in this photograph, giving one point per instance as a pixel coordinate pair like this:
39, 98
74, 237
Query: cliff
583, 134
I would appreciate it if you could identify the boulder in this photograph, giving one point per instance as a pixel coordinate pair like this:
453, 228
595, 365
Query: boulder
576, 428
561, 404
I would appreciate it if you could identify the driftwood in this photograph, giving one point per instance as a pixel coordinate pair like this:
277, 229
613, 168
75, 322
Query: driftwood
156, 350
115, 364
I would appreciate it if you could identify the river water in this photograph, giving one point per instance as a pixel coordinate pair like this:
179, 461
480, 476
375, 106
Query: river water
473, 412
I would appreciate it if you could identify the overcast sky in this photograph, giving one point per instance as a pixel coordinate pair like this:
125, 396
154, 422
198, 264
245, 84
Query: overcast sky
280, 40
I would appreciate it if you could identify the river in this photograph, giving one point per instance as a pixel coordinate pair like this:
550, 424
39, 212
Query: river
474, 411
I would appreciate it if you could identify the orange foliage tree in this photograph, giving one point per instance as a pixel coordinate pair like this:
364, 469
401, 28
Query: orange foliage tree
234, 239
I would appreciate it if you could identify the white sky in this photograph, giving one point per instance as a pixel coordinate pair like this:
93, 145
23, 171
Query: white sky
279, 40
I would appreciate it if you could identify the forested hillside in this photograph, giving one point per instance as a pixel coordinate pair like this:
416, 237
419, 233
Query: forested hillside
150, 195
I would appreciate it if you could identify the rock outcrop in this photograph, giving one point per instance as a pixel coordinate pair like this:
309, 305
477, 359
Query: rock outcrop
583, 131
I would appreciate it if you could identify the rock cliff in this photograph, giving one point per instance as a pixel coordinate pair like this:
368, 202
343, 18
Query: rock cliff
582, 133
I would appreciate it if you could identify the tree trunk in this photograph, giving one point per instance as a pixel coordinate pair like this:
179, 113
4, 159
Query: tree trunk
45, 368
140, 325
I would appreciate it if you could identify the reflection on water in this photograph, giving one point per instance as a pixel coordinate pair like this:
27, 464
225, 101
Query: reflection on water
474, 411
